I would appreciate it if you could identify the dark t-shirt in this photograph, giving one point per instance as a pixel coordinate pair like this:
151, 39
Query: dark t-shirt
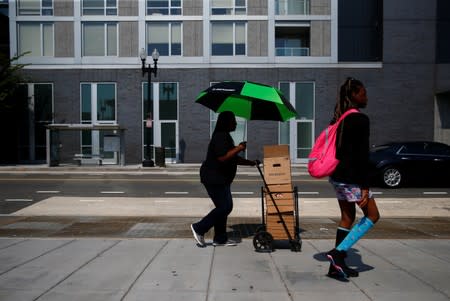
353, 151
212, 170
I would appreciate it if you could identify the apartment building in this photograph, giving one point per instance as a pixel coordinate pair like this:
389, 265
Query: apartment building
84, 70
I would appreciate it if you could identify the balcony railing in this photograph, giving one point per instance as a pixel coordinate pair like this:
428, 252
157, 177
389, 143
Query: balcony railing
292, 51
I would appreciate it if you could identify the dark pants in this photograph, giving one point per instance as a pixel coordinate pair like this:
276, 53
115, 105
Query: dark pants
217, 218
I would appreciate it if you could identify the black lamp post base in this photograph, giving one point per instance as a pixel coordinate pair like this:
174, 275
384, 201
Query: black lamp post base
148, 163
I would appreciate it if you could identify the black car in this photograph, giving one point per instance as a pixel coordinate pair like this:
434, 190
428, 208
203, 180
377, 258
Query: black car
411, 163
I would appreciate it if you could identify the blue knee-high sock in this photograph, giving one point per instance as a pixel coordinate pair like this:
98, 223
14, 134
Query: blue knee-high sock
355, 234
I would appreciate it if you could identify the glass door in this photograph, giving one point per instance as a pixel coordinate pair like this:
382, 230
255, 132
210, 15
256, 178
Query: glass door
160, 120
98, 106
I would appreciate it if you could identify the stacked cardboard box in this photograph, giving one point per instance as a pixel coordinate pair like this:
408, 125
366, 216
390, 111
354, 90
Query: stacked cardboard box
277, 174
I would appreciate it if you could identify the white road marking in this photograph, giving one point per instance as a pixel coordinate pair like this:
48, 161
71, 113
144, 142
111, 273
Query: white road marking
377, 192
176, 192
308, 192
112, 192
18, 200
434, 192
242, 192
48, 191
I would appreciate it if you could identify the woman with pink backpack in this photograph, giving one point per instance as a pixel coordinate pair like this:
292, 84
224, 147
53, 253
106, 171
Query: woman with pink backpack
350, 179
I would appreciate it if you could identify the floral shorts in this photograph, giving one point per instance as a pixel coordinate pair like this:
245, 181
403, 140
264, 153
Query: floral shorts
347, 192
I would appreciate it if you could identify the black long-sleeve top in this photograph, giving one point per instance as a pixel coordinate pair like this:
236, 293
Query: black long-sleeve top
352, 150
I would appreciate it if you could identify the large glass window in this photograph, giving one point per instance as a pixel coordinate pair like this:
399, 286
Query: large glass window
35, 7
292, 7
292, 39
99, 7
228, 38
99, 39
164, 36
164, 7
36, 106
299, 132
228, 7
36, 38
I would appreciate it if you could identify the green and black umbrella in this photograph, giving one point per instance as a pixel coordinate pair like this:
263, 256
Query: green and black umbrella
252, 101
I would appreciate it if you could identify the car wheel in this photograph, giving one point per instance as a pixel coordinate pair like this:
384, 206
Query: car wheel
392, 177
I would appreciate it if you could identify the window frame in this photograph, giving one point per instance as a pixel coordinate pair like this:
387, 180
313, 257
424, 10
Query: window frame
105, 8
105, 36
42, 9
172, 10
234, 33
303, 51
169, 26
282, 7
234, 9
42, 36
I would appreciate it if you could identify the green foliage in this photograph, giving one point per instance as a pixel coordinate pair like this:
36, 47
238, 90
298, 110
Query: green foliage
10, 76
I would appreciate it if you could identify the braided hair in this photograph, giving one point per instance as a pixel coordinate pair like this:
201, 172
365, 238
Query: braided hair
345, 102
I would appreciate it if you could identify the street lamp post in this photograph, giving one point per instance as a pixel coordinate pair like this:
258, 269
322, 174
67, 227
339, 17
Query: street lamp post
148, 162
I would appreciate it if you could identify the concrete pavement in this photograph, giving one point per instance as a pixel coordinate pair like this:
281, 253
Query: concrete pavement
88, 264
176, 269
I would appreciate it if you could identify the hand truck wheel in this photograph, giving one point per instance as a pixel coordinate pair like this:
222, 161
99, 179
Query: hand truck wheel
262, 241
296, 245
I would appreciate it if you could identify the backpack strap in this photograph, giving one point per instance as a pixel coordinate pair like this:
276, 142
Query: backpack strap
341, 119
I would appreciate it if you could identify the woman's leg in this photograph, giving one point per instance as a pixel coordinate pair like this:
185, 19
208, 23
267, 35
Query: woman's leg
221, 197
220, 225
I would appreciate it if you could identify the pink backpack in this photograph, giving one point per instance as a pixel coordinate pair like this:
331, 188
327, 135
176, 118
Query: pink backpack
322, 160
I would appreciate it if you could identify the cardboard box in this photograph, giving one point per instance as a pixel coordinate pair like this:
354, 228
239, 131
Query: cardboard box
275, 227
271, 151
282, 195
277, 170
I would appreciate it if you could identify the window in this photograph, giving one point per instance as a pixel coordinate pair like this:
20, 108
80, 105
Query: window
292, 39
98, 105
35, 102
36, 38
299, 132
164, 7
160, 120
228, 7
228, 38
292, 7
35, 7
99, 7
99, 39
164, 36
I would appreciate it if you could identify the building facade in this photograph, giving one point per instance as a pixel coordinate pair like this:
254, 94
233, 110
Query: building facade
83, 67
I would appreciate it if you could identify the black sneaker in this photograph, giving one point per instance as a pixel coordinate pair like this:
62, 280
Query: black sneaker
333, 273
350, 272
198, 238
228, 243
336, 259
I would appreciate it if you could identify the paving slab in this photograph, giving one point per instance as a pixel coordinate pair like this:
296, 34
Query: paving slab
176, 269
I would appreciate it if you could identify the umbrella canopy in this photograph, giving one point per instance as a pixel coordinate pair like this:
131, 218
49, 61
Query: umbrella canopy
252, 101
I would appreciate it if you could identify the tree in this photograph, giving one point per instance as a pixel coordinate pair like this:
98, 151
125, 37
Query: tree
10, 76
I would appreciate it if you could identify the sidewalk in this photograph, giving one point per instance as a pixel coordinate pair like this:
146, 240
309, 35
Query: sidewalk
46, 254
176, 269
